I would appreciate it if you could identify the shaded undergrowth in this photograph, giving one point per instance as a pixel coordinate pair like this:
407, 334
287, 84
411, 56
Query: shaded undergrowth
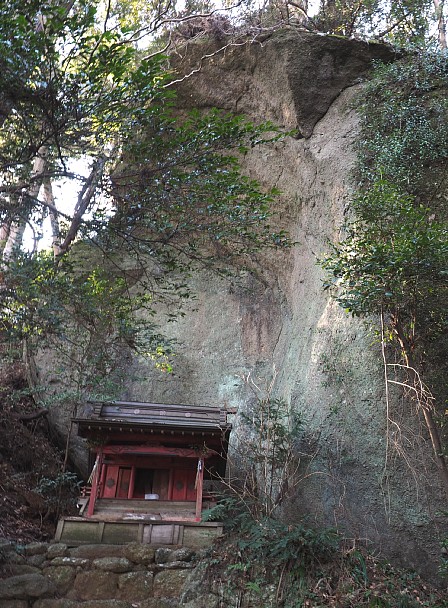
271, 564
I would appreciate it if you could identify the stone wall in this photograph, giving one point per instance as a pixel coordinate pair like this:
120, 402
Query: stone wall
42, 575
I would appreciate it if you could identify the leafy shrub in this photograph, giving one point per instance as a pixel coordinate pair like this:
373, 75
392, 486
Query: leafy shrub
404, 122
60, 492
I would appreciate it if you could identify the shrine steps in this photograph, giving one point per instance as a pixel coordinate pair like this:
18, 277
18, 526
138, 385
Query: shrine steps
145, 510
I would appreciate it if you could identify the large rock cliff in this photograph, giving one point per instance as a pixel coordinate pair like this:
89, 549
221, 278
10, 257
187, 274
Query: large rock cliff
328, 365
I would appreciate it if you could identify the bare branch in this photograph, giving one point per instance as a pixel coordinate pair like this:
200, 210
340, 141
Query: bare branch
84, 200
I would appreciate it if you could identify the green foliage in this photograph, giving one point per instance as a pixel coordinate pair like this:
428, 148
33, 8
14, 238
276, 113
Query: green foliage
280, 565
391, 264
401, 22
163, 195
85, 316
280, 544
267, 561
266, 458
393, 259
187, 203
60, 492
262, 552
73, 90
404, 124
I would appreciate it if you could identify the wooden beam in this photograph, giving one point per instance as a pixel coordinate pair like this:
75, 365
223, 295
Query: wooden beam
96, 477
156, 450
131, 483
199, 485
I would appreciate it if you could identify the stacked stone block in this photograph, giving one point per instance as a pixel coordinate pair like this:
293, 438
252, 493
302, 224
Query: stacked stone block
42, 575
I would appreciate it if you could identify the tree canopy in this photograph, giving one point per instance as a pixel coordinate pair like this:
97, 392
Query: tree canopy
155, 194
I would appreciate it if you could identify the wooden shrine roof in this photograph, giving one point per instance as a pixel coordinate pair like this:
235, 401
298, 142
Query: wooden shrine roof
153, 415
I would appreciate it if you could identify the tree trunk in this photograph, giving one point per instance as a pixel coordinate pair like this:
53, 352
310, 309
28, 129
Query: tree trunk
17, 228
441, 23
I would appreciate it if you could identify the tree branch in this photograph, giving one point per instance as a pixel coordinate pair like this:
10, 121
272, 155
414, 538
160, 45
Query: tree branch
84, 200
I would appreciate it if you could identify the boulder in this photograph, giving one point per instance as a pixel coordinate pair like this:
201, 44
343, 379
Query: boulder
57, 550
112, 564
97, 551
139, 553
26, 587
135, 586
169, 583
62, 577
35, 548
94, 585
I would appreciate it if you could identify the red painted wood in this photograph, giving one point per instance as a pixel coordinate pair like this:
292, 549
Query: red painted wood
156, 449
213, 441
110, 481
124, 478
183, 485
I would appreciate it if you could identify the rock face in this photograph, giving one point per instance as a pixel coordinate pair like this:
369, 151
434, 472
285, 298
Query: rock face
291, 78
328, 365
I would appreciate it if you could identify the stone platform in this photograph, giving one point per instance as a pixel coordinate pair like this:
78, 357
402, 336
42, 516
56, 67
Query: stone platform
75, 531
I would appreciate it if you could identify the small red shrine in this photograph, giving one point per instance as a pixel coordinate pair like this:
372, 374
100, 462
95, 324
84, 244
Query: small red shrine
149, 461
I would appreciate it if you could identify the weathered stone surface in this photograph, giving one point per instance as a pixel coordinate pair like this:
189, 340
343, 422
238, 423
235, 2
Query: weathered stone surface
17, 569
328, 368
177, 565
36, 560
7, 550
184, 554
112, 564
61, 576
56, 603
95, 585
195, 584
311, 71
175, 558
160, 602
35, 548
74, 562
97, 551
203, 601
135, 586
169, 583
139, 553
57, 550
15, 558
112, 603
65, 603
163, 555
69, 586
26, 586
